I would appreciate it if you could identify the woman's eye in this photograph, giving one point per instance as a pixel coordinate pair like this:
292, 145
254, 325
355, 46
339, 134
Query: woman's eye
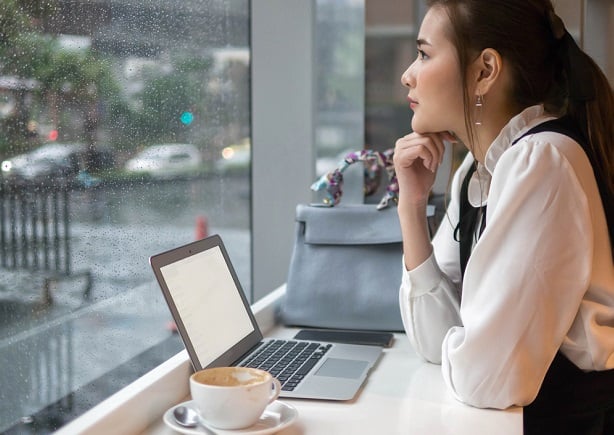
422, 55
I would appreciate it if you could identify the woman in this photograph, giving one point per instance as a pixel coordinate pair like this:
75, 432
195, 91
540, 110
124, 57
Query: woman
514, 296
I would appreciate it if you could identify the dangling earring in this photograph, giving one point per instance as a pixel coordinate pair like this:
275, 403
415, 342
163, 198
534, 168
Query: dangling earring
478, 109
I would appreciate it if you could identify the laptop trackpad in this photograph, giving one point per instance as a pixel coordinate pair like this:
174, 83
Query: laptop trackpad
342, 368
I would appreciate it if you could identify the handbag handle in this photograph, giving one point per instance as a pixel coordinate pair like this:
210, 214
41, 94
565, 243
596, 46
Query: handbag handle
374, 162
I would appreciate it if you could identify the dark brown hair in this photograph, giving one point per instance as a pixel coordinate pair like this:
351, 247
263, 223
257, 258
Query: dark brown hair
523, 33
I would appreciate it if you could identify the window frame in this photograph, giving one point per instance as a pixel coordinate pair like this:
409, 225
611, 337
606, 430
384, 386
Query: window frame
283, 125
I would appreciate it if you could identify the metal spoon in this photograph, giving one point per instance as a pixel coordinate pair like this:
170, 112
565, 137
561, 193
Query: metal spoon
189, 418
186, 416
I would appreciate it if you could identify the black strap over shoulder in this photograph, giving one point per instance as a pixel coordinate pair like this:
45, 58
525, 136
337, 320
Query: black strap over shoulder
559, 125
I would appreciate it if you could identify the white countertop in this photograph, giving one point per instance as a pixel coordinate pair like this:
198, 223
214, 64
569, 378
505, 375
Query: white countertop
402, 395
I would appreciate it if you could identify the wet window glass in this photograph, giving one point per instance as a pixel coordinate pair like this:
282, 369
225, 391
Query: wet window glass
124, 131
339, 45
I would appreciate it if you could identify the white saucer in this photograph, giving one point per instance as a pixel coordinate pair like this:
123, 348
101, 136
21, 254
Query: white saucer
275, 417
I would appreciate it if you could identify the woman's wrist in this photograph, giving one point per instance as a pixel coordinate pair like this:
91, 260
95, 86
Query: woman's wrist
412, 207
416, 238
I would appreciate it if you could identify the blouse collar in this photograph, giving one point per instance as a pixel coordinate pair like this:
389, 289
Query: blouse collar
479, 185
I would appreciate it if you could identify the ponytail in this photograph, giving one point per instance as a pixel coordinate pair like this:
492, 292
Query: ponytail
589, 105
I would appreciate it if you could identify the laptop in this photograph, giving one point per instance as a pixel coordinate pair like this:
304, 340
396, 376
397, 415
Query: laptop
218, 327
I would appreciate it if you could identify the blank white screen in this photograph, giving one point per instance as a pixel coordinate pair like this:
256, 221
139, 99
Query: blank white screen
208, 303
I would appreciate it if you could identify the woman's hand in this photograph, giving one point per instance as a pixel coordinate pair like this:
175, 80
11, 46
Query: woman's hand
416, 159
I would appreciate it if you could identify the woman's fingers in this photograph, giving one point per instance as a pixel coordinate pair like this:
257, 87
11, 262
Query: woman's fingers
429, 148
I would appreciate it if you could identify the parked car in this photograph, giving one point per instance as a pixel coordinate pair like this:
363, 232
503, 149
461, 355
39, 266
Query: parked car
54, 161
235, 158
50, 161
166, 160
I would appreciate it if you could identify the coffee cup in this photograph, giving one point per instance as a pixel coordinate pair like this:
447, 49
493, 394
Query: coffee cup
232, 397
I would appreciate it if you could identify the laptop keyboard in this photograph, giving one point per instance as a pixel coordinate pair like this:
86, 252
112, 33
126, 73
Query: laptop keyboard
288, 360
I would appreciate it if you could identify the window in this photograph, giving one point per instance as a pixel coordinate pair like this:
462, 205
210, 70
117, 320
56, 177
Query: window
85, 87
113, 119
340, 77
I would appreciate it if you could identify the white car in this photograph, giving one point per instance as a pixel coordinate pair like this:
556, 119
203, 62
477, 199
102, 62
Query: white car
166, 160
49, 161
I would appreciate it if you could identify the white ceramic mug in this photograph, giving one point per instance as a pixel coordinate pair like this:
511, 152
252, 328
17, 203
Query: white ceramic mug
233, 397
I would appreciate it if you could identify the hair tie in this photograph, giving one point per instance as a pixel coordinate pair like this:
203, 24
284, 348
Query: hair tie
576, 63
556, 25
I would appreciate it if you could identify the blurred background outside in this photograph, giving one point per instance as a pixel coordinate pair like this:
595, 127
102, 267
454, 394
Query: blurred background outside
125, 131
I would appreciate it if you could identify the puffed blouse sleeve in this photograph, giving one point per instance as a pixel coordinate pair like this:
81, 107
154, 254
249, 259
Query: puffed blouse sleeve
430, 293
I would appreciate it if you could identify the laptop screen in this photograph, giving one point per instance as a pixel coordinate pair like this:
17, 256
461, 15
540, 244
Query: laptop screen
206, 301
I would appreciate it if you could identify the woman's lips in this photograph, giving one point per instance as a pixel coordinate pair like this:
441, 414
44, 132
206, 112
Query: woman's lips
412, 103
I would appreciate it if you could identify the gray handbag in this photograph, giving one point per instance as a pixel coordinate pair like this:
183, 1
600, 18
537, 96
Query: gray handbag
345, 269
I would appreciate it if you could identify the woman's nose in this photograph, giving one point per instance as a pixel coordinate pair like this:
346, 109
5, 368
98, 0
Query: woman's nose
407, 78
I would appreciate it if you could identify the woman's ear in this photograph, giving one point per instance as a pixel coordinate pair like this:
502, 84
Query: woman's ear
487, 70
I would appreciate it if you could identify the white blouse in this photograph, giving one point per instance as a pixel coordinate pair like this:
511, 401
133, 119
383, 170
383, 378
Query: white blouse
539, 279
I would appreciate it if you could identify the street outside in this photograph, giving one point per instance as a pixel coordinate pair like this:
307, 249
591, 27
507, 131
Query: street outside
47, 351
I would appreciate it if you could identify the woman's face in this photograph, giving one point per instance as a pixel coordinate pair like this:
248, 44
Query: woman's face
434, 80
